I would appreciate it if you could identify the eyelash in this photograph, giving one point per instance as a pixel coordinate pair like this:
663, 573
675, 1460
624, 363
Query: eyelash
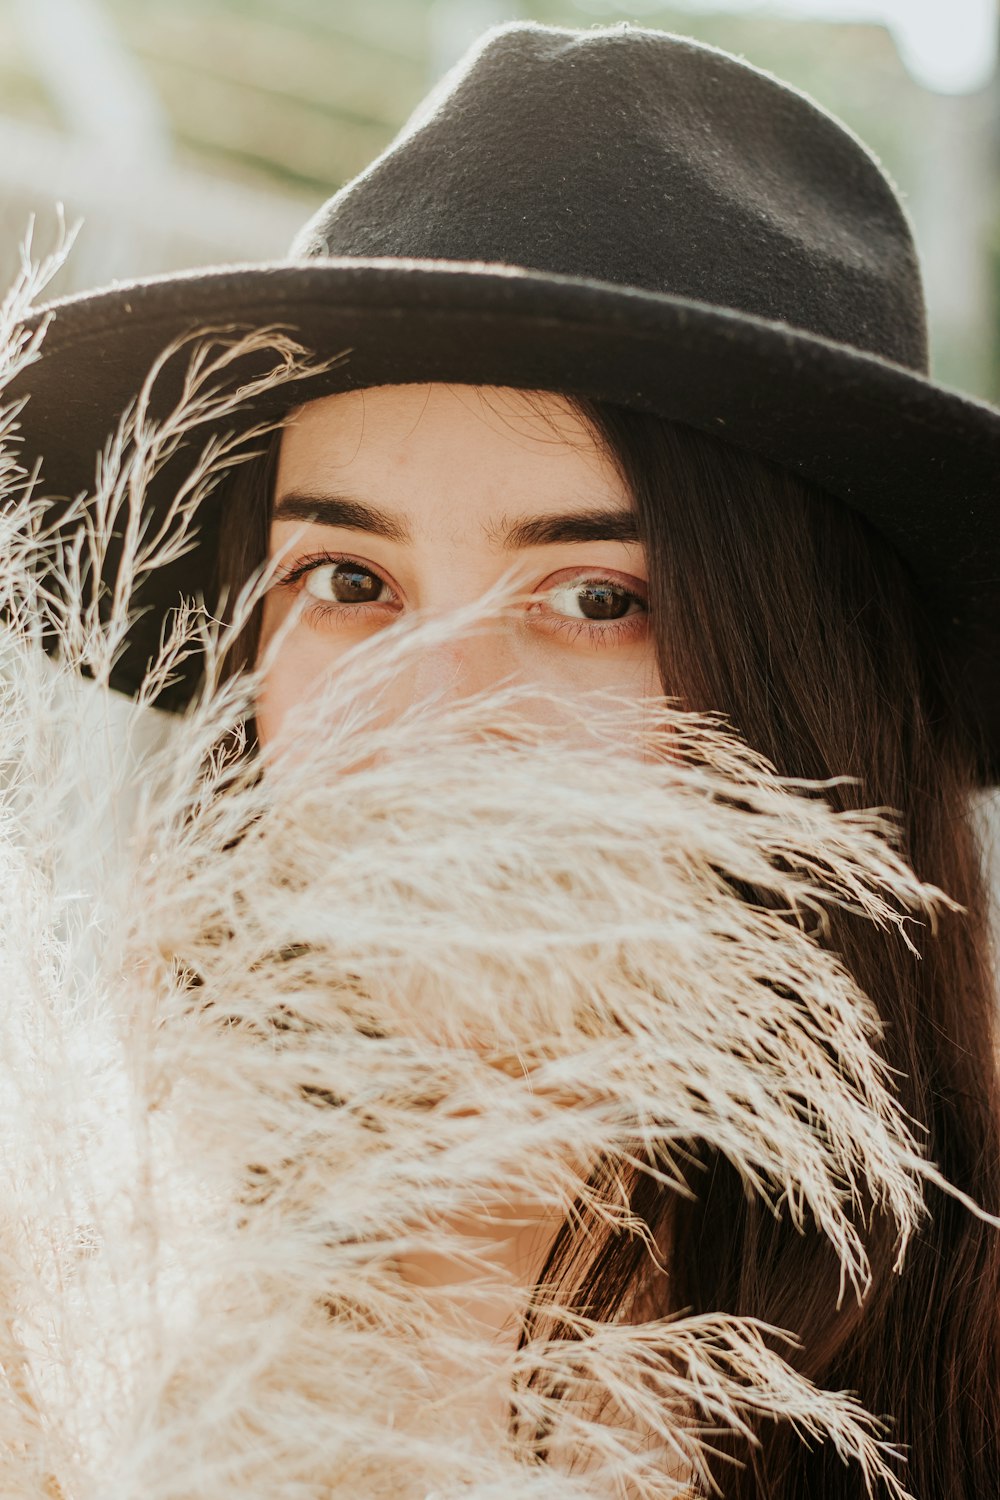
606, 634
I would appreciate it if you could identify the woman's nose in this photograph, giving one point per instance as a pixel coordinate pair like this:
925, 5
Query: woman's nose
451, 670
454, 669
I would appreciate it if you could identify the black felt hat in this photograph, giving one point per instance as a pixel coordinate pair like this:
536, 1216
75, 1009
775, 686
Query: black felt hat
625, 214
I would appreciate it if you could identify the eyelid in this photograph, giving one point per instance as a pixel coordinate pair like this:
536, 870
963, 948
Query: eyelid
596, 570
581, 570
291, 571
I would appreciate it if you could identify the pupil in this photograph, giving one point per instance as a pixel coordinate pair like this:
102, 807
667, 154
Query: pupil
609, 601
354, 585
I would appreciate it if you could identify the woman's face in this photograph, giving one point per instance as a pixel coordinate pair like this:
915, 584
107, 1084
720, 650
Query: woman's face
419, 497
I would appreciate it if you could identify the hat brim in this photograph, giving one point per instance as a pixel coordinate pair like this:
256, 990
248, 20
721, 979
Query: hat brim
918, 460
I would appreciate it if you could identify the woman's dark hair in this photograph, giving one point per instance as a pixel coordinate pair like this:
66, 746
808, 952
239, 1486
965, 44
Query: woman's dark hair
785, 610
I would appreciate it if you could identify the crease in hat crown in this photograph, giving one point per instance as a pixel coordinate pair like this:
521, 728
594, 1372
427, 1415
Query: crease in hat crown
643, 159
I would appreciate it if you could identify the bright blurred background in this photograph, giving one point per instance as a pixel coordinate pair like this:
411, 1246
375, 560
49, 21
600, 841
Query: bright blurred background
186, 132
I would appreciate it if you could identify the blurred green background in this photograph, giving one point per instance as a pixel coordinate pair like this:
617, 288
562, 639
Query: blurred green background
186, 132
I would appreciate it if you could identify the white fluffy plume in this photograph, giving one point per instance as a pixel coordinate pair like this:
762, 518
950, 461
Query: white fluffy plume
286, 1031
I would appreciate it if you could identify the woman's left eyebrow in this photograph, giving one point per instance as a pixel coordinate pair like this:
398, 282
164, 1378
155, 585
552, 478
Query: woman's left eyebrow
611, 524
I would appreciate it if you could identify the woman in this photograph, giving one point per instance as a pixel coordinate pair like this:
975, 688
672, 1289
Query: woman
631, 284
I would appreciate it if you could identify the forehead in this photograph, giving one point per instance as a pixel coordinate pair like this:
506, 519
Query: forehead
480, 434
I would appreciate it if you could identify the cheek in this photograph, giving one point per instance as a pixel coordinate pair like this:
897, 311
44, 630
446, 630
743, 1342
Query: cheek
279, 691
293, 675
615, 683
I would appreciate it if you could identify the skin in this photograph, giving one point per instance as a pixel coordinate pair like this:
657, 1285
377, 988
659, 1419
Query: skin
448, 462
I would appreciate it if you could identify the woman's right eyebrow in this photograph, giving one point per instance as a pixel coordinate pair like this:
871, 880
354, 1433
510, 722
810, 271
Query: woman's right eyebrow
610, 524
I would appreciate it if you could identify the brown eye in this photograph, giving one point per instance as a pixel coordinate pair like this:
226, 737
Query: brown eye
593, 599
343, 583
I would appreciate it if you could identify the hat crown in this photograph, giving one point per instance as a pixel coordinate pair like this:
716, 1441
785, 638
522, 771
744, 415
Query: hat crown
648, 160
